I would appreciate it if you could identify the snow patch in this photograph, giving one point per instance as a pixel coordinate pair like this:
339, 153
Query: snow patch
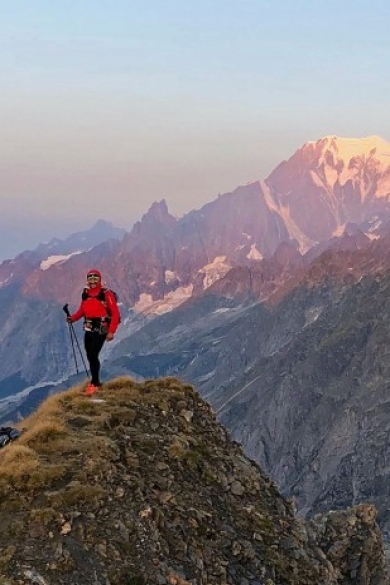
294, 232
268, 197
317, 180
3, 282
312, 314
56, 259
376, 225
214, 271
145, 301
254, 253
169, 276
332, 175
283, 211
171, 300
338, 232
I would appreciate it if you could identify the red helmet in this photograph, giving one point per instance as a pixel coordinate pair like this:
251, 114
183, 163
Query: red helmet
94, 272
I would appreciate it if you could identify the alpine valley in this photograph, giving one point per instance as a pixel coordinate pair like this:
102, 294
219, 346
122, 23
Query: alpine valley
272, 300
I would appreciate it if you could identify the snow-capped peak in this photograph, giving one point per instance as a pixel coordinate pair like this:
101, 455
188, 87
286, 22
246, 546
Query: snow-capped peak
346, 149
333, 159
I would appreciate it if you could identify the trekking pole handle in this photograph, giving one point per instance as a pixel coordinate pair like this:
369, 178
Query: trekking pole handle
66, 310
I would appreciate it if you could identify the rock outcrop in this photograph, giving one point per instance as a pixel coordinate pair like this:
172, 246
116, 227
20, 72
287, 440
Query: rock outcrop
143, 486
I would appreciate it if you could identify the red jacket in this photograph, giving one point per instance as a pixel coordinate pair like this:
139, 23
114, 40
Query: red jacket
93, 308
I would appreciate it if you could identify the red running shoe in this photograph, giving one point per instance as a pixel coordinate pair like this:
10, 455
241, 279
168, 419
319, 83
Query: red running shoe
90, 389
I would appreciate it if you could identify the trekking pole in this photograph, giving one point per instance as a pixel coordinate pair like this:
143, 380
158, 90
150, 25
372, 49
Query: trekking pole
73, 337
66, 311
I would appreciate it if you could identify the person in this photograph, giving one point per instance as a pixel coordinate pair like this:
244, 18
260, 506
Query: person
101, 319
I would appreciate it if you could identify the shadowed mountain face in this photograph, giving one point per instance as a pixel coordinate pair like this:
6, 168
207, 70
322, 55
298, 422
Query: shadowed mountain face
102, 493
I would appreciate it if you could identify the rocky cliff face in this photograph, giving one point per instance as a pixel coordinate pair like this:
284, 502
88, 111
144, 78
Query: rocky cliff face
312, 408
102, 492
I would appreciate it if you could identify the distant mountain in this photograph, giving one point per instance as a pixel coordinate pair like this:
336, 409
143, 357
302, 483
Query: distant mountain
57, 251
331, 182
100, 232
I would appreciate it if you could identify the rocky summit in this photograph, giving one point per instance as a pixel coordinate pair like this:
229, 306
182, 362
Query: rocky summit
142, 486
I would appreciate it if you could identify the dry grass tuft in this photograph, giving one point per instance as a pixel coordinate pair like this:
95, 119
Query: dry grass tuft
178, 448
121, 383
44, 516
6, 555
22, 469
124, 417
51, 408
86, 407
18, 461
43, 433
76, 495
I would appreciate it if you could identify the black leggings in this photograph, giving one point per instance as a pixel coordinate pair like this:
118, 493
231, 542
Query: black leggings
93, 343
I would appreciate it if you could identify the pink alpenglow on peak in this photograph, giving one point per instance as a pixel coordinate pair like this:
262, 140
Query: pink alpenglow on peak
347, 149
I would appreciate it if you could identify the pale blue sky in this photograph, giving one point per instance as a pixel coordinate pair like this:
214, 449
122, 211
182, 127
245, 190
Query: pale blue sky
107, 106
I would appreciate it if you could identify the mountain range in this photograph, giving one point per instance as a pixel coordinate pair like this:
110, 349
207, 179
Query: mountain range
271, 299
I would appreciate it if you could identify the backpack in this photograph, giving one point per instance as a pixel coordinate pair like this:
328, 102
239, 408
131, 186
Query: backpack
101, 296
8, 434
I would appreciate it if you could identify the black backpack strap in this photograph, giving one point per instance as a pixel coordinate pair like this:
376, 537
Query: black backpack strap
102, 295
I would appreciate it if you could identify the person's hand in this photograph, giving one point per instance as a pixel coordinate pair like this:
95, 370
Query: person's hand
69, 319
109, 336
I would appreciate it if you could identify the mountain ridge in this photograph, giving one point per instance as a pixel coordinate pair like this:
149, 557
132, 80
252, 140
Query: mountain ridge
163, 253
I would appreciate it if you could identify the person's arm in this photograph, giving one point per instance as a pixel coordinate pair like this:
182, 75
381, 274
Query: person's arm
113, 309
78, 314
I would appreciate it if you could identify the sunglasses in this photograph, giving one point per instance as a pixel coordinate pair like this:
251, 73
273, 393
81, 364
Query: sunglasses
93, 277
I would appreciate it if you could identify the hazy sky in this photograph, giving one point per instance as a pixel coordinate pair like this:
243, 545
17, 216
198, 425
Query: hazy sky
107, 106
